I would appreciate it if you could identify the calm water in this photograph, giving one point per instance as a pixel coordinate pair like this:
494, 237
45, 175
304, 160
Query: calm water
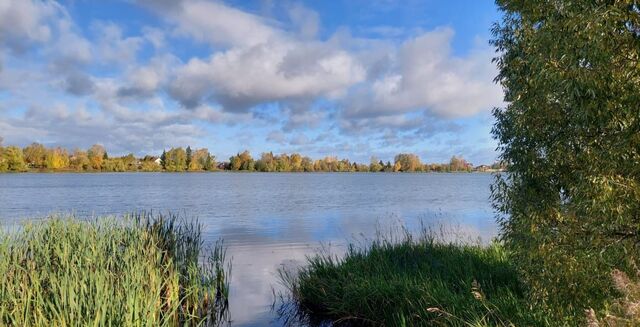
267, 220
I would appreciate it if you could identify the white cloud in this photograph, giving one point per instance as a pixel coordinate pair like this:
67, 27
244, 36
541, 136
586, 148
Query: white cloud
428, 77
113, 46
216, 23
306, 21
147, 80
23, 22
242, 77
155, 36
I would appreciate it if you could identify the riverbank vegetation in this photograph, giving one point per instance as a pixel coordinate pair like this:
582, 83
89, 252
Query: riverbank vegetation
38, 158
141, 270
411, 282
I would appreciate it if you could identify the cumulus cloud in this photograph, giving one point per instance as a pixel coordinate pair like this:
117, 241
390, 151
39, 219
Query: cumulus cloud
215, 22
120, 132
306, 21
24, 22
78, 83
277, 137
428, 77
113, 46
242, 77
145, 81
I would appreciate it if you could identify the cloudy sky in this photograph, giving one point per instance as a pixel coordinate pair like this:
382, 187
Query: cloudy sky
352, 78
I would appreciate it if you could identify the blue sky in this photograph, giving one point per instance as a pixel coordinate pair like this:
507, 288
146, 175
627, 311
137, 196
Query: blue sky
348, 78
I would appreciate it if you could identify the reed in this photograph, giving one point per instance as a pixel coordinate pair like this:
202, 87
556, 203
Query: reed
137, 270
409, 281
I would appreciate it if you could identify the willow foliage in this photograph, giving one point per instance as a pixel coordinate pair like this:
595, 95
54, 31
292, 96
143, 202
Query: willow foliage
570, 133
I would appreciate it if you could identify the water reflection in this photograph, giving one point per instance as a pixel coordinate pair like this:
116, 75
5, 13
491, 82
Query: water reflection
267, 221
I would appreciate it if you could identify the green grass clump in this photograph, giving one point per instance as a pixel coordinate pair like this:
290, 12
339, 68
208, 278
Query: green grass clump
412, 282
140, 270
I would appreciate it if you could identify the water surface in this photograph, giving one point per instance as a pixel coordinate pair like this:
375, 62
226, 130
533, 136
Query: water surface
268, 220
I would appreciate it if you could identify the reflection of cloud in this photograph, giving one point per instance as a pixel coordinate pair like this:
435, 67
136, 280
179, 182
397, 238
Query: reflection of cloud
254, 279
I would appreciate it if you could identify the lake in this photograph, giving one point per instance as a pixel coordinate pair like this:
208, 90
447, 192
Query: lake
267, 220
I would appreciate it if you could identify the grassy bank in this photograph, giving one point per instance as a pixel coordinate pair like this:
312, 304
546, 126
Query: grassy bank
413, 281
135, 271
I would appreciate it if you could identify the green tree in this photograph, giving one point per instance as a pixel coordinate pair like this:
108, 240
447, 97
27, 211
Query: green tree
14, 159
210, 162
569, 135
176, 160
189, 157
163, 159
130, 162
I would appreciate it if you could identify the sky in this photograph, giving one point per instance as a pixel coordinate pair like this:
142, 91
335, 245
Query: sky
350, 78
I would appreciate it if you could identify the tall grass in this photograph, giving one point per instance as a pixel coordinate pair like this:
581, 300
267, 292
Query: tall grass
140, 270
410, 281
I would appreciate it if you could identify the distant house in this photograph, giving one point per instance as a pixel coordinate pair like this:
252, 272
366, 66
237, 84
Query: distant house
158, 161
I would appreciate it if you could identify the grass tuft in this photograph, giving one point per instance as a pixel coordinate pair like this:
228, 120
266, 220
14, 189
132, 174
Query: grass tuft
140, 270
410, 281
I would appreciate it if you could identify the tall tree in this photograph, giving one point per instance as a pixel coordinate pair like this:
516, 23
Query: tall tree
570, 135
163, 159
189, 156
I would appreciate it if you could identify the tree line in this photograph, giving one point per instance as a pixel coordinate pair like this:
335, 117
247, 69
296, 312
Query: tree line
37, 157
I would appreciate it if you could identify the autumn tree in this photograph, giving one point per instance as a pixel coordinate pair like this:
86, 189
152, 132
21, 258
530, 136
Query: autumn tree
242, 161
35, 155
57, 158
79, 160
199, 160
459, 164
375, 165
407, 162
296, 162
3, 161
570, 136
96, 156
